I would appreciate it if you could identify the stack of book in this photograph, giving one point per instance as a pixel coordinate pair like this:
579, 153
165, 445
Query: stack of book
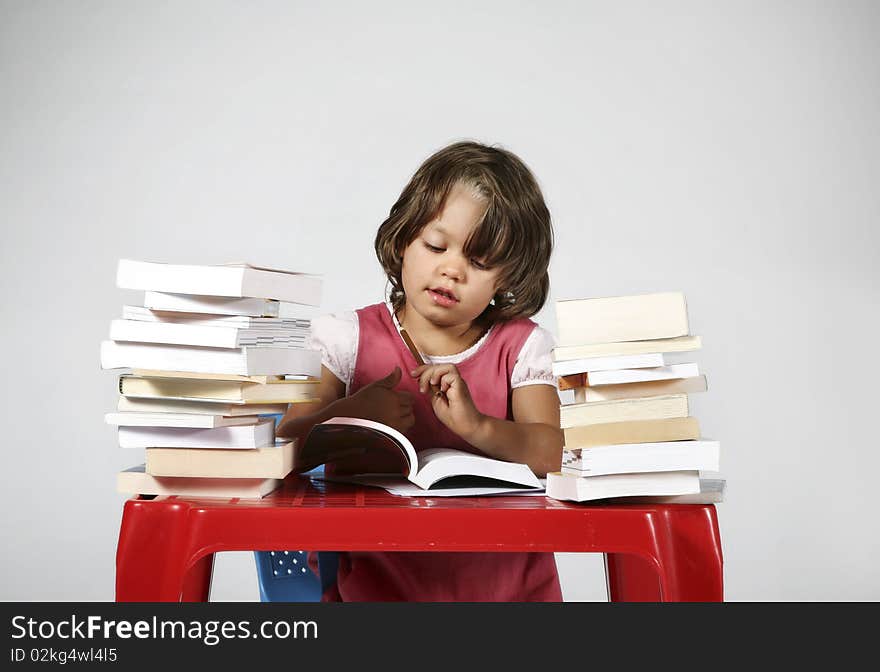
624, 404
213, 354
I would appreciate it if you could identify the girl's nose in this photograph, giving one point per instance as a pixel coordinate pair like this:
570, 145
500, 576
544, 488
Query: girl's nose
452, 268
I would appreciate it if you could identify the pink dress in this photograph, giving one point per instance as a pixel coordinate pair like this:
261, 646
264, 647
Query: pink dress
443, 577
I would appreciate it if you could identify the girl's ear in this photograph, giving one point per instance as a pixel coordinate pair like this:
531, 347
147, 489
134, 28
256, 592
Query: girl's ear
502, 298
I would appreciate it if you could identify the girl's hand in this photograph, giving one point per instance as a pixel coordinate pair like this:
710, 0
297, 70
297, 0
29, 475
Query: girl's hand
379, 401
451, 401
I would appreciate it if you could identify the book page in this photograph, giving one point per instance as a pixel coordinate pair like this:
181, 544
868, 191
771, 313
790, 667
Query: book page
399, 486
352, 448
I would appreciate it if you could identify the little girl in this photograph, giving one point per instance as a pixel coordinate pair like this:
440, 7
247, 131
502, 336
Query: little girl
466, 249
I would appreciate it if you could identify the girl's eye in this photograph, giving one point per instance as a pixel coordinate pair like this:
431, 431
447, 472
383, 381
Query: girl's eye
480, 266
433, 248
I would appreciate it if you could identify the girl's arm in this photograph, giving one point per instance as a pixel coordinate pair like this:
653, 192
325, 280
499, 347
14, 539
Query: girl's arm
300, 418
532, 437
377, 401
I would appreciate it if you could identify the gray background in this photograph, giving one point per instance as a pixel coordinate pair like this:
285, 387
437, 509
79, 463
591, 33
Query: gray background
727, 150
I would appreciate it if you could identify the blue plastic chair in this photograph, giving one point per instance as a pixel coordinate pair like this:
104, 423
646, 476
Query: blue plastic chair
284, 576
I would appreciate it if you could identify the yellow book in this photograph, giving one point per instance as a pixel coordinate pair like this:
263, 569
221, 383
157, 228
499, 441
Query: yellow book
135, 481
236, 391
640, 431
270, 462
623, 410
614, 319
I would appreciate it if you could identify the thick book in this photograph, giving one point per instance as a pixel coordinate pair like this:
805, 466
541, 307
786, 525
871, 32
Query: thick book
204, 336
700, 455
135, 481
638, 431
614, 319
167, 405
193, 420
669, 372
267, 462
679, 344
651, 388
239, 361
711, 492
592, 364
140, 314
352, 440
624, 410
233, 279
588, 488
229, 306
271, 392
259, 435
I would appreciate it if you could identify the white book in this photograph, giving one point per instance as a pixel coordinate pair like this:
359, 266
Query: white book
339, 438
205, 336
401, 487
614, 319
701, 455
248, 436
234, 279
292, 325
240, 361
711, 492
194, 420
590, 364
222, 407
588, 488
229, 306
135, 481
678, 344
669, 372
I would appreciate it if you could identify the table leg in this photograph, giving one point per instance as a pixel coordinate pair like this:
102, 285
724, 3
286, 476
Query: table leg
152, 556
685, 563
631, 578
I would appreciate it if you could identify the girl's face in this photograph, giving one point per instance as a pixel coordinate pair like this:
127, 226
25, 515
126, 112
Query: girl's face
441, 284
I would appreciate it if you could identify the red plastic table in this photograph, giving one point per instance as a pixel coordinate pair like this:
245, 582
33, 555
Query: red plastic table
654, 552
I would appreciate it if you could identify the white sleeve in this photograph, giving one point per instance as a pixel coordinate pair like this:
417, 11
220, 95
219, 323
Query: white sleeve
534, 366
336, 337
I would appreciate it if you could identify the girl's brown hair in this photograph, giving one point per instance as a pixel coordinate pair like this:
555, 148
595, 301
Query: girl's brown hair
515, 233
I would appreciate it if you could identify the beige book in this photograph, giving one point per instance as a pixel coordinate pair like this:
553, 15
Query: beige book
624, 410
680, 344
273, 391
225, 408
270, 462
135, 481
621, 318
651, 388
638, 431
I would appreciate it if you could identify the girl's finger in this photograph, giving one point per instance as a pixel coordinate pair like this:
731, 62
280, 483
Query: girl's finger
425, 380
442, 370
447, 381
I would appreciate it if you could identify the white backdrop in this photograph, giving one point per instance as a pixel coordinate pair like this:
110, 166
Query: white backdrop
727, 150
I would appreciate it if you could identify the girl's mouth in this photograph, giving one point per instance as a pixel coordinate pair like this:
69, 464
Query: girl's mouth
442, 298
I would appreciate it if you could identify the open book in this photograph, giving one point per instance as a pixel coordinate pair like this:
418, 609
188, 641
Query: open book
350, 441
